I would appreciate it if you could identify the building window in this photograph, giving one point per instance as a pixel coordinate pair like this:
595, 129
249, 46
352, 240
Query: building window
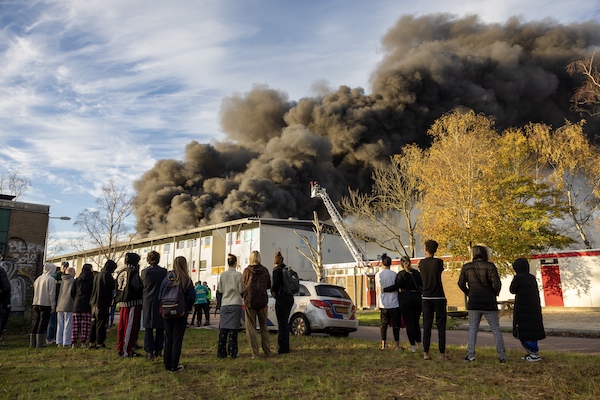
167, 247
202, 265
4, 221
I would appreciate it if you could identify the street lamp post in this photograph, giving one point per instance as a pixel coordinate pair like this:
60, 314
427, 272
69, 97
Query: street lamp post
63, 218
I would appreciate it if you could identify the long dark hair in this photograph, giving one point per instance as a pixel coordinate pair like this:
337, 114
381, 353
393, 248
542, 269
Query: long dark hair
479, 253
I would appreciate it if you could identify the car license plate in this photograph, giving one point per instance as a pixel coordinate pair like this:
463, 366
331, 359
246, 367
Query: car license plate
341, 310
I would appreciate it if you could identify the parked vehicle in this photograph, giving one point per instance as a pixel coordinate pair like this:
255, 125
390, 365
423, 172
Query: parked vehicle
318, 307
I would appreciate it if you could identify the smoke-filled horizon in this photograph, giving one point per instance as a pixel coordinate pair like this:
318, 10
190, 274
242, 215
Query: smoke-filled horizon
515, 72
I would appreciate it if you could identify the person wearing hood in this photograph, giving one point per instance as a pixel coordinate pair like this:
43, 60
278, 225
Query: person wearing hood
154, 333
283, 305
101, 300
528, 324
51, 331
480, 281
175, 327
44, 304
256, 280
64, 309
81, 293
129, 300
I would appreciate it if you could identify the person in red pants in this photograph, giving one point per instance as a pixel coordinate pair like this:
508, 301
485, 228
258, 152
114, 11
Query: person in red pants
129, 300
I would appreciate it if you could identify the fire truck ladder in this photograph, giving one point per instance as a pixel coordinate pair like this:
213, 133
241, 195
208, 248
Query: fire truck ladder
317, 191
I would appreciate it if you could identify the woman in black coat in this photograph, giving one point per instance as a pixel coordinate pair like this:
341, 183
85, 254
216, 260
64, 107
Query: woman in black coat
81, 292
528, 324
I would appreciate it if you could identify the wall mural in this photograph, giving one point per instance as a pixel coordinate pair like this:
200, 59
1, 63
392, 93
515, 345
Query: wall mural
22, 262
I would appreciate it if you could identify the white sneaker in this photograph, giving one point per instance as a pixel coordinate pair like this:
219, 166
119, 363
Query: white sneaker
412, 349
532, 358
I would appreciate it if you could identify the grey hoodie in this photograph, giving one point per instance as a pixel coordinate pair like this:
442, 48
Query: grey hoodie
65, 301
44, 287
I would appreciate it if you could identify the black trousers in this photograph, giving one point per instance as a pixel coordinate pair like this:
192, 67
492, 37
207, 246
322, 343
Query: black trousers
228, 343
386, 315
437, 307
282, 310
154, 341
411, 306
99, 325
41, 317
174, 331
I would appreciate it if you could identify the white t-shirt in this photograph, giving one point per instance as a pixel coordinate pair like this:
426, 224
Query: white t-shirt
383, 279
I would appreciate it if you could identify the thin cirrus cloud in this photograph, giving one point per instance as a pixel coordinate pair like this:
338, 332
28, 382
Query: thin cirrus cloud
99, 89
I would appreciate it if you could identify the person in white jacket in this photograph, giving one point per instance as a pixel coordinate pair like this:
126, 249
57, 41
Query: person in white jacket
44, 304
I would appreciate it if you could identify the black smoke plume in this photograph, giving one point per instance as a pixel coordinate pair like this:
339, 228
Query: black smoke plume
515, 72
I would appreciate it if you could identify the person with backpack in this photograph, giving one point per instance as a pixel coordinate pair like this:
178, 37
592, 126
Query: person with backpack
154, 327
256, 280
284, 301
230, 285
129, 300
175, 311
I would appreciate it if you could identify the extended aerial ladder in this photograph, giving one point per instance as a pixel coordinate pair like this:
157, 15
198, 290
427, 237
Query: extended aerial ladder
359, 256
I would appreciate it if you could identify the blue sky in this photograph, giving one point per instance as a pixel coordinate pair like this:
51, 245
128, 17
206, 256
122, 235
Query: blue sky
93, 90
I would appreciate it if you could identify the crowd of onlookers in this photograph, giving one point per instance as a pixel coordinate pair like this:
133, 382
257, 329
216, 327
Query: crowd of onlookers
402, 297
70, 311
74, 311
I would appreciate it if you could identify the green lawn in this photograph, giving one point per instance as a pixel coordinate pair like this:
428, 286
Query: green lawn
319, 367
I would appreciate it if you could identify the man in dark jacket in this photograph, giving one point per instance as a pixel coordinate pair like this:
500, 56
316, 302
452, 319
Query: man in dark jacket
255, 283
283, 306
154, 334
479, 280
129, 300
528, 324
101, 300
5, 294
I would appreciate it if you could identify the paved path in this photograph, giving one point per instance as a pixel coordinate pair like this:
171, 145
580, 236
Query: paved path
560, 320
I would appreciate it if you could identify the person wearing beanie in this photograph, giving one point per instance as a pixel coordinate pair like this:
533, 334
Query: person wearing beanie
283, 305
129, 298
528, 323
101, 300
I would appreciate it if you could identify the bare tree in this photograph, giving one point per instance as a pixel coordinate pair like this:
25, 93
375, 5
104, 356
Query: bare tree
316, 253
387, 215
586, 98
106, 227
12, 184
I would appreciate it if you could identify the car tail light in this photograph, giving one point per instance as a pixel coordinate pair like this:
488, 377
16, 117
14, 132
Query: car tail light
353, 316
323, 305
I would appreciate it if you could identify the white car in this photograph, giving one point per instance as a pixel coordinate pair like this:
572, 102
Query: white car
319, 307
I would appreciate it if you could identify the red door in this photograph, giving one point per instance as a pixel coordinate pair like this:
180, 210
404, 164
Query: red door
371, 294
552, 285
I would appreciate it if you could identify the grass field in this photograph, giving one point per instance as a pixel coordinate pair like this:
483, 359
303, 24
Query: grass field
318, 367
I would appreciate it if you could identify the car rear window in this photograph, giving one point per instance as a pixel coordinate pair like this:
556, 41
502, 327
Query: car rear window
331, 291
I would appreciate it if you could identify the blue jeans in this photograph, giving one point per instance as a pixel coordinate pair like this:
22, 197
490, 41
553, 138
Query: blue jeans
494, 323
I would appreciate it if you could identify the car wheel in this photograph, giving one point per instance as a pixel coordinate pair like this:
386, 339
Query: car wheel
299, 325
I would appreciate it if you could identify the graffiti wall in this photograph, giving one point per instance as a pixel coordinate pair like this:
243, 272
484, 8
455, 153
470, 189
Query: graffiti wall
22, 263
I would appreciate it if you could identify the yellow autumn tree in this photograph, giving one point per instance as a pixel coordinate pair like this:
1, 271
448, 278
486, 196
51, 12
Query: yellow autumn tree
480, 187
573, 168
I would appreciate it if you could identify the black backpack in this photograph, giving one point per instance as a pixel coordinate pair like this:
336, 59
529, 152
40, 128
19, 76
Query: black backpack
172, 302
291, 282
